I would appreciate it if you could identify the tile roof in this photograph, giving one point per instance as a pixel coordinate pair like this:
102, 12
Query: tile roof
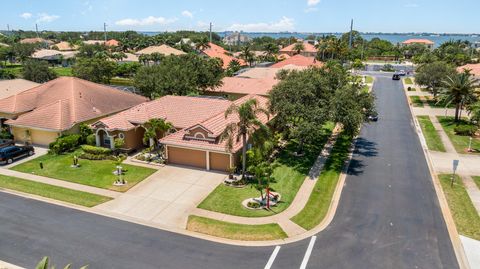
214, 126
215, 51
112, 43
267, 72
63, 102
298, 60
245, 85
418, 41
13, 86
50, 54
474, 69
93, 42
181, 111
307, 47
65, 46
162, 49
35, 40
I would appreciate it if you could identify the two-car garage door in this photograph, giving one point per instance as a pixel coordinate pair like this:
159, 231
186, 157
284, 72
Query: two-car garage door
198, 158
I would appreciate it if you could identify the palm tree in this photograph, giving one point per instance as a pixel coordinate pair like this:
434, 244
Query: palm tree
152, 128
270, 50
459, 89
156, 57
247, 55
299, 47
246, 125
202, 43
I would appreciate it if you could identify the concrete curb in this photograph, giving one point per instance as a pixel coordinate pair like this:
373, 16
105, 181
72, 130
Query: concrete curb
447, 215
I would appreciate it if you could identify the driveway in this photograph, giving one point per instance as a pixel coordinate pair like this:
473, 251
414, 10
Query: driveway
166, 197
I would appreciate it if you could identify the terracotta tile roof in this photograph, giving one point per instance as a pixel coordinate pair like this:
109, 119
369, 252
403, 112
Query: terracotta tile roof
214, 126
298, 60
49, 54
61, 103
35, 40
112, 43
93, 42
267, 72
418, 41
307, 48
14, 86
215, 51
162, 49
474, 69
284, 56
244, 85
181, 111
65, 46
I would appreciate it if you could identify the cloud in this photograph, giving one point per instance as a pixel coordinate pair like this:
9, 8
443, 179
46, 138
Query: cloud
44, 17
187, 13
310, 9
150, 20
311, 3
284, 24
26, 15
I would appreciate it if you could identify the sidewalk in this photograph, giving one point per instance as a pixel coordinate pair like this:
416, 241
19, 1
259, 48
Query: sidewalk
298, 203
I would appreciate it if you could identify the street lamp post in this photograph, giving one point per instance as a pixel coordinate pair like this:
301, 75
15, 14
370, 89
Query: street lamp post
470, 145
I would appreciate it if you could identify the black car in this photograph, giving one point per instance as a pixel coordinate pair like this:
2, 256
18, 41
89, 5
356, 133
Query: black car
396, 77
12, 153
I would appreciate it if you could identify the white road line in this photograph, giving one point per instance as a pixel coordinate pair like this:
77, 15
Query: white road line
308, 252
272, 257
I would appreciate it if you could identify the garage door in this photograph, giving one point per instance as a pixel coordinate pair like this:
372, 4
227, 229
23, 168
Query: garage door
188, 157
219, 161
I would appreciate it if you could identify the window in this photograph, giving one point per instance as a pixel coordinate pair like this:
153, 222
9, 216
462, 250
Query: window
106, 141
199, 135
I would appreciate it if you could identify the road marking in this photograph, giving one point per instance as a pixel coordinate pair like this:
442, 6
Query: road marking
272, 257
308, 252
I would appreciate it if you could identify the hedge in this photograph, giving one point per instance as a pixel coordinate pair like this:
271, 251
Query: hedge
65, 143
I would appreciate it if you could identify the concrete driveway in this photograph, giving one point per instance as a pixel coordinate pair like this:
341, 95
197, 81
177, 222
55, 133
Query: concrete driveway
167, 197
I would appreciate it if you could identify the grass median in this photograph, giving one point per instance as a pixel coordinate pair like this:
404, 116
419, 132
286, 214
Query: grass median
460, 142
52, 192
320, 199
235, 231
434, 142
408, 81
464, 213
416, 101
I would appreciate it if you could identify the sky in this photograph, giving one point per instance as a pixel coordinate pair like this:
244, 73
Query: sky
436, 16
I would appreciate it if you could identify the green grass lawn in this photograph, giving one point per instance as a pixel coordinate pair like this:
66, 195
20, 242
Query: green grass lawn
460, 142
437, 104
464, 213
434, 142
319, 202
368, 79
93, 173
416, 101
16, 69
63, 71
477, 181
53, 192
235, 231
365, 88
289, 176
408, 81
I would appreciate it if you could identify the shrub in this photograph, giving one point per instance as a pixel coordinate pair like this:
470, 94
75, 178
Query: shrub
465, 130
96, 150
64, 143
253, 204
85, 131
5, 134
95, 157
118, 143
91, 140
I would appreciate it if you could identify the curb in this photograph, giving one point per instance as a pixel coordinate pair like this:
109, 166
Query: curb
442, 200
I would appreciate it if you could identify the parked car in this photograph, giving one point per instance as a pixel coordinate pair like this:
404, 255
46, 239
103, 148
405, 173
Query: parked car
402, 73
373, 118
12, 153
396, 76
6, 143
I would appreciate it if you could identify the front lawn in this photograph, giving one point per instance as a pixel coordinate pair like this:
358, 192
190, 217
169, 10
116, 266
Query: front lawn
477, 181
289, 176
93, 173
408, 81
235, 231
320, 198
434, 142
52, 192
368, 79
460, 142
437, 104
464, 213
416, 101
63, 71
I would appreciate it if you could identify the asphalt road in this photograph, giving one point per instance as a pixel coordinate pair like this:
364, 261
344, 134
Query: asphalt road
388, 217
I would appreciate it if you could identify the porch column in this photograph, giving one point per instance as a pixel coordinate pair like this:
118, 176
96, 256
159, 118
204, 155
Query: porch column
97, 140
112, 144
208, 159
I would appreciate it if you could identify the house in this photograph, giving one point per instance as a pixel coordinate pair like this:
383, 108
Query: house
298, 60
131, 58
239, 86
36, 40
112, 43
181, 111
41, 114
94, 42
64, 58
11, 87
428, 43
162, 49
65, 46
267, 72
474, 69
236, 38
215, 51
309, 50
200, 145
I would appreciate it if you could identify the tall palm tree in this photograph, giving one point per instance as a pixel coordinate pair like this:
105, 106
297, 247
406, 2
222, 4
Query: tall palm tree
202, 44
299, 47
270, 50
459, 89
152, 128
246, 125
247, 55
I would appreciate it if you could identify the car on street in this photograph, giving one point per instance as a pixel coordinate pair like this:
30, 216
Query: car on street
396, 76
402, 73
373, 118
12, 153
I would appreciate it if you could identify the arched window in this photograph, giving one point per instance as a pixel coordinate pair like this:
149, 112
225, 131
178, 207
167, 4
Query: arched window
199, 135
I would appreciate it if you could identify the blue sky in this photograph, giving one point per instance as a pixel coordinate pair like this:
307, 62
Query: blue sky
260, 15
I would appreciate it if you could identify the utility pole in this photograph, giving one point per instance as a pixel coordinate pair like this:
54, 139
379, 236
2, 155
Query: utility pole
105, 31
36, 29
8, 27
350, 36
210, 32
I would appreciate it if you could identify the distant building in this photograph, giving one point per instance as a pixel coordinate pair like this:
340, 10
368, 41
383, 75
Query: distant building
236, 38
215, 51
65, 46
162, 49
36, 40
428, 43
309, 50
476, 45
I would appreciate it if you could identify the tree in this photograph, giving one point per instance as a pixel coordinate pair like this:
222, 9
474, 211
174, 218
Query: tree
95, 69
233, 66
298, 47
24, 51
263, 172
247, 55
153, 128
37, 71
202, 43
179, 75
432, 75
246, 125
270, 51
459, 89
